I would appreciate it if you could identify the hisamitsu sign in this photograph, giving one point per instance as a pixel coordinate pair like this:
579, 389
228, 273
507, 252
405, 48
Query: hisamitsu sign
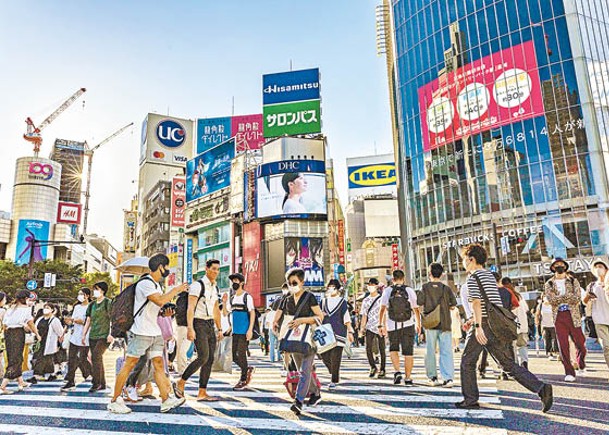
290, 86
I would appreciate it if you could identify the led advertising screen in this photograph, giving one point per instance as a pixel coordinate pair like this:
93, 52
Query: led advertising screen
308, 254
29, 230
495, 90
209, 171
291, 188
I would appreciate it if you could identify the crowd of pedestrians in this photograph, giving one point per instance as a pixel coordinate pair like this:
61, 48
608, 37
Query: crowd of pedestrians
174, 333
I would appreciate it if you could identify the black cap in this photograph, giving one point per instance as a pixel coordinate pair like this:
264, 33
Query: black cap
22, 294
237, 276
373, 281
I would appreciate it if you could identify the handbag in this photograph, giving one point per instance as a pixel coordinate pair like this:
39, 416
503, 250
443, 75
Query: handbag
432, 319
324, 338
501, 321
298, 339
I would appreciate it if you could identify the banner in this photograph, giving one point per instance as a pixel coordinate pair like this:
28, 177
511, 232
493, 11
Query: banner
302, 117
246, 129
290, 86
307, 254
129, 230
28, 231
493, 91
252, 261
189, 261
209, 171
68, 213
341, 242
178, 201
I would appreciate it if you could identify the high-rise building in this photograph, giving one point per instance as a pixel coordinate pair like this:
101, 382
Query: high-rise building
71, 155
502, 121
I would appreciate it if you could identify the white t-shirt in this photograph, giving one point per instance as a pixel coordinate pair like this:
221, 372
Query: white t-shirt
17, 317
372, 312
146, 322
79, 313
238, 300
205, 306
412, 298
600, 305
469, 313
547, 318
291, 206
561, 286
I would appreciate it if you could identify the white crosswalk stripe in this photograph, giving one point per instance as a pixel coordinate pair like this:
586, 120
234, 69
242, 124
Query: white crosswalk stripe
359, 405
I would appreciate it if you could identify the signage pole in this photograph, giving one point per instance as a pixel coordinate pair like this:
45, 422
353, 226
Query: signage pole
30, 270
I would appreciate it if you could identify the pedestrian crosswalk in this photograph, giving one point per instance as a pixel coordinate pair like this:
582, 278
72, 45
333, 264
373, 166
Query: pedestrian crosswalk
359, 405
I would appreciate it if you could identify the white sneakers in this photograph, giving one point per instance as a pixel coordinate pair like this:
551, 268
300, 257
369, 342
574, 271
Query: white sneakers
131, 394
433, 382
581, 372
172, 402
118, 407
569, 378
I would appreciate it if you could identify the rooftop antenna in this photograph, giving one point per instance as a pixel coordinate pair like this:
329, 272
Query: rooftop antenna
376, 153
233, 109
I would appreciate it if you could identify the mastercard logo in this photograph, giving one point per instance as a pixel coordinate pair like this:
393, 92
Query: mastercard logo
158, 155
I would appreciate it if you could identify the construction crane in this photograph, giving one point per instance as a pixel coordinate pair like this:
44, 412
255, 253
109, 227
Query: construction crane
33, 133
89, 152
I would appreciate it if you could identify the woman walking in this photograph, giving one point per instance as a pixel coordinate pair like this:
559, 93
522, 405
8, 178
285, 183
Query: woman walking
455, 327
2, 343
51, 331
545, 322
16, 319
78, 354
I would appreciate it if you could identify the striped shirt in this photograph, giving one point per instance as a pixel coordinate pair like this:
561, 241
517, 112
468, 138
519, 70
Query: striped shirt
490, 288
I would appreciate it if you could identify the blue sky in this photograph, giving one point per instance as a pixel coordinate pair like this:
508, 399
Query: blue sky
185, 58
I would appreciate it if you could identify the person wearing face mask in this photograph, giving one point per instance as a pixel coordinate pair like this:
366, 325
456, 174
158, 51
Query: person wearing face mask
240, 306
51, 331
336, 312
369, 327
97, 329
598, 295
564, 294
78, 354
273, 336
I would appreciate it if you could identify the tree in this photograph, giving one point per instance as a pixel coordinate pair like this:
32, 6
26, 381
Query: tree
67, 282
95, 277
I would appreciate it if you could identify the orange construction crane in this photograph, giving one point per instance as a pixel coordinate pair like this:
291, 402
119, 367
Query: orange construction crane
33, 133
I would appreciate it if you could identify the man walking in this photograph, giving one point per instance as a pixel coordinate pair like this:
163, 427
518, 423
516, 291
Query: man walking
599, 295
369, 327
145, 335
482, 285
437, 299
400, 311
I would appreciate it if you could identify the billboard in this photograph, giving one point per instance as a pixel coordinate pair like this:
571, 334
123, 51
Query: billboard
209, 171
495, 90
371, 175
166, 140
246, 129
291, 188
252, 260
68, 213
301, 117
381, 218
307, 254
129, 231
178, 201
27, 231
290, 86
71, 155
188, 268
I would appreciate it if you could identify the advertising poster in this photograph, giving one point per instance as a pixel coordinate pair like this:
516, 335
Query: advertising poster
252, 261
495, 90
68, 213
209, 171
212, 132
248, 132
28, 231
129, 231
178, 201
302, 117
290, 86
341, 242
307, 254
166, 140
291, 188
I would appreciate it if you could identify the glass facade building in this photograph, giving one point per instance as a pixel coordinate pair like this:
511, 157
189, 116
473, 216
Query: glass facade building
503, 120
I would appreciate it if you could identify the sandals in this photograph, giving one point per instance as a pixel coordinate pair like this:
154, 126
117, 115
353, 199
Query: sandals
208, 399
178, 393
5, 392
24, 386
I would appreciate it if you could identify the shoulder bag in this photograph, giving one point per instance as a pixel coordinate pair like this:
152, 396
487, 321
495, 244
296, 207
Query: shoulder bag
298, 339
501, 321
432, 319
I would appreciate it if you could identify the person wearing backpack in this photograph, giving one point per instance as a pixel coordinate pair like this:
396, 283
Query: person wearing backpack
399, 318
203, 313
145, 335
437, 300
369, 328
491, 331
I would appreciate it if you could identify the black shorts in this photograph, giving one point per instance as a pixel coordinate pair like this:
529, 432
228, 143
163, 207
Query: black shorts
403, 338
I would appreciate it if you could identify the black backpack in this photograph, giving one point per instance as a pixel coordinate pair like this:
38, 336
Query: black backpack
122, 314
243, 307
399, 309
182, 305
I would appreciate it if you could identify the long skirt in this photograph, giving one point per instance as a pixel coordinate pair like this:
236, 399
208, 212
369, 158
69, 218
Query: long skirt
15, 342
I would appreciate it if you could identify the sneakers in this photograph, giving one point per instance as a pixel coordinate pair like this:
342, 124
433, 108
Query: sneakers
240, 386
97, 389
397, 378
250, 372
372, 372
118, 407
581, 372
552, 358
433, 382
314, 400
569, 378
69, 386
171, 403
448, 384
130, 395
408, 382
382, 374
284, 373
546, 396
331, 386
51, 378
296, 407
464, 405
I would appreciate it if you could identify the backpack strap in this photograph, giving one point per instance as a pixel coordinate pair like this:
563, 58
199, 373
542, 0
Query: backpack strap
138, 312
372, 305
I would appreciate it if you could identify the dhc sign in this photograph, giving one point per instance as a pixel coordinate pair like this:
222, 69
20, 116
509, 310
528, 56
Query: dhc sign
372, 175
170, 133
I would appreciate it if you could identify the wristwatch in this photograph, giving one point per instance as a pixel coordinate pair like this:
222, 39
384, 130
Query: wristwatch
476, 325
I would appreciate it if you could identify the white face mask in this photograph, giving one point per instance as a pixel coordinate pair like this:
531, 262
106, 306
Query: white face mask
285, 292
96, 294
81, 298
371, 288
294, 289
47, 311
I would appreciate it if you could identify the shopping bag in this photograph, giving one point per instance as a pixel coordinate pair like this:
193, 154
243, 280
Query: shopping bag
298, 340
223, 357
324, 338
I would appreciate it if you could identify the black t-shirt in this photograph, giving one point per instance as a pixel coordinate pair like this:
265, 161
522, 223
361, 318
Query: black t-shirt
434, 293
308, 299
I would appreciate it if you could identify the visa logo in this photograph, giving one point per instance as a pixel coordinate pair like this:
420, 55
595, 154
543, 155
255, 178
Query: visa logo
373, 175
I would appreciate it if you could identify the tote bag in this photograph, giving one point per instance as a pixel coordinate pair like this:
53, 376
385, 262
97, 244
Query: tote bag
324, 338
298, 339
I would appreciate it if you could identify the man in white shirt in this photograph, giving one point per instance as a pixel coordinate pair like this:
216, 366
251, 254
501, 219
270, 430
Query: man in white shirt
203, 313
399, 329
597, 293
145, 335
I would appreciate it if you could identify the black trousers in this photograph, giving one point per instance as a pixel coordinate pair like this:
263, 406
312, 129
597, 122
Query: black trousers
78, 358
332, 360
371, 338
503, 354
205, 343
240, 345
15, 343
549, 335
98, 347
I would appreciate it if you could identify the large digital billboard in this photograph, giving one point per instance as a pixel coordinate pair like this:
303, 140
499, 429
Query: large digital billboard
28, 231
495, 90
291, 188
307, 254
209, 171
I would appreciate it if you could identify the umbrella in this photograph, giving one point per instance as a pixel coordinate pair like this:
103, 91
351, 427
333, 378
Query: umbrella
136, 266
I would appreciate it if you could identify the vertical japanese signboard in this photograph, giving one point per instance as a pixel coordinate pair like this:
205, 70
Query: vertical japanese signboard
341, 242
178, 201
246, 129
395, 256
252, 261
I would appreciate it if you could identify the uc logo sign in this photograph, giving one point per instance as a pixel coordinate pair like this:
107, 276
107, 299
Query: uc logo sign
170, 133
373, 175
45, 171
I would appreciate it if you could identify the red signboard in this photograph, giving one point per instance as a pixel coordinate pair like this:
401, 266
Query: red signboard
247, 130
395, 256
252, 261
69, 213
497, 90
178, 202
341, 242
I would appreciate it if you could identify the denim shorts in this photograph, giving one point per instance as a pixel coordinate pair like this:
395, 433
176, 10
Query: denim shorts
139, 345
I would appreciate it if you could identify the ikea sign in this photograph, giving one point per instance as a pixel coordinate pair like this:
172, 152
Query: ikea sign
374, 175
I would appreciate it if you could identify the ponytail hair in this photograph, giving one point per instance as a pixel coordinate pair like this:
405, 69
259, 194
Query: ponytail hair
288, 178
